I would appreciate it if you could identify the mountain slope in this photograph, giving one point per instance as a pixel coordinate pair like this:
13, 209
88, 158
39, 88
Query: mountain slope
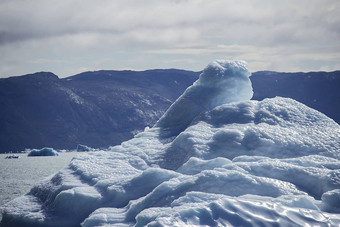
97, 109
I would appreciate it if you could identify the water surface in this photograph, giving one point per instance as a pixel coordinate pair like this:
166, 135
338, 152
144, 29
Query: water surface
17, 176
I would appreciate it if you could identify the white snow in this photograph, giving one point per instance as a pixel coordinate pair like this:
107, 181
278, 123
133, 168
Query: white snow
215, 158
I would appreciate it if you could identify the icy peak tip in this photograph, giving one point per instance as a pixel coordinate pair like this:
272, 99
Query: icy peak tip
221, 82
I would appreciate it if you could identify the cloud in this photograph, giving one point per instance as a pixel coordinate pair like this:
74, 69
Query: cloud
86, 31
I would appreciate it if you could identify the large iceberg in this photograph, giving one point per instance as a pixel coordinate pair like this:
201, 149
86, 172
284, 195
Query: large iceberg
215, 158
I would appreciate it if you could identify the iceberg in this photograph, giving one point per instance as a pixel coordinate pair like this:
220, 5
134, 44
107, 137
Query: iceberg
46, 151
82, 148
215, 158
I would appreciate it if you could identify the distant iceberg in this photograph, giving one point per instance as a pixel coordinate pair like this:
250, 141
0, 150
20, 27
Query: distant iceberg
83, 148
215, 158
46, 151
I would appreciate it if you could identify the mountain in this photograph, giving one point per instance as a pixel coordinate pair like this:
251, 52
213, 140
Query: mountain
97, 109
215, 158
105, 108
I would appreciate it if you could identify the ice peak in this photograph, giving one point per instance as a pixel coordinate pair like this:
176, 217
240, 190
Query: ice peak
221, 82
219, 70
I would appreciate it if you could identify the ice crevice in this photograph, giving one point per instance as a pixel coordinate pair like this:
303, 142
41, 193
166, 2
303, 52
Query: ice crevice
215, 158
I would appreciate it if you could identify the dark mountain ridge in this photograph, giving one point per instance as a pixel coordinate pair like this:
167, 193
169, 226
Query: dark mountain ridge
104, 108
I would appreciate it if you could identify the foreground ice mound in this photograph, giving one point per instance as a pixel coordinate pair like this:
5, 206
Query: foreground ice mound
240, 163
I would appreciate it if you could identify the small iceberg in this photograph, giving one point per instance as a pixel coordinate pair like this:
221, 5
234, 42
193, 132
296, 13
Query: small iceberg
46, 151
12, 156
83, 148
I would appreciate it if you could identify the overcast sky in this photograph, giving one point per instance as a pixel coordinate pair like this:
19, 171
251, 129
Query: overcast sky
72, 36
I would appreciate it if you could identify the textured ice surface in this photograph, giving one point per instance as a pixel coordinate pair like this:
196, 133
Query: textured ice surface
214, 159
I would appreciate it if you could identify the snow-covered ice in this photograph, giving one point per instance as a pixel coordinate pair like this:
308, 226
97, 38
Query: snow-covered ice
215, 158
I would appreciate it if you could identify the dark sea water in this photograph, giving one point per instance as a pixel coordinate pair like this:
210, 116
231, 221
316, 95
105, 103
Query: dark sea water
17, 176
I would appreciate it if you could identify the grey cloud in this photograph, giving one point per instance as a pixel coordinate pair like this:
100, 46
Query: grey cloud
260, 22
168, 30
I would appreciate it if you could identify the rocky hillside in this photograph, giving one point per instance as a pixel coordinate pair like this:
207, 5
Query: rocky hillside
97, 109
